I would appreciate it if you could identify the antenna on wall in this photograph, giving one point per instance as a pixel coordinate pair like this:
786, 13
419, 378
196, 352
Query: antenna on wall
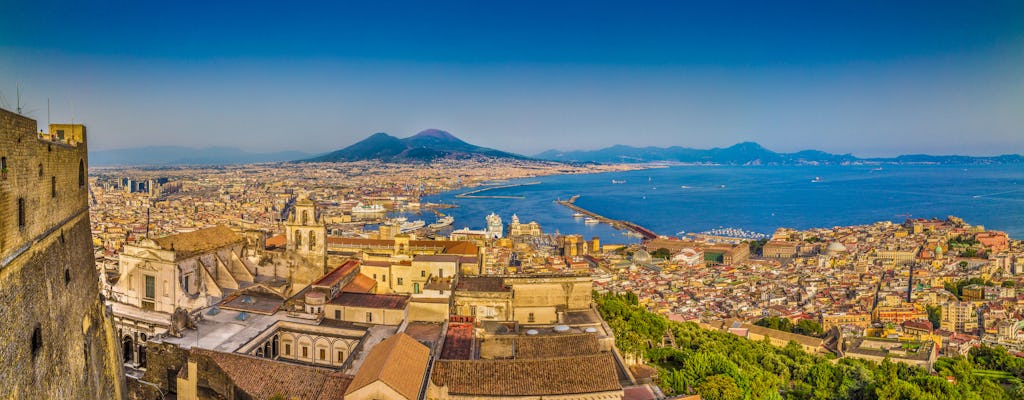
47, 112
19, 97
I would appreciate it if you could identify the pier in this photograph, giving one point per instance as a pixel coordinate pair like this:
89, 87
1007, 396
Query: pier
473, 194
647, 234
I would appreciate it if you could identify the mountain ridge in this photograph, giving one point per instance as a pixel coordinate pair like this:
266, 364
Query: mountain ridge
752, 153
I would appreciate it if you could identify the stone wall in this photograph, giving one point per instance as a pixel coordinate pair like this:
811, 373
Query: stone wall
56, 339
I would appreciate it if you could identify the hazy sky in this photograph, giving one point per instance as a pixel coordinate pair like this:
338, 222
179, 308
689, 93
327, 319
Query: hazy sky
862, 77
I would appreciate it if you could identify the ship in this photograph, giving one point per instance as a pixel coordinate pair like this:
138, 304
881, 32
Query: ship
412, 225
617, 182
816, 179
361, 208
442, 222
578, 215
591, 221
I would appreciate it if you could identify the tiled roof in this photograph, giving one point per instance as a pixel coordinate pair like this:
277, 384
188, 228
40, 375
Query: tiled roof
262, 378
360, 284
458, 342
399, 362
337, 274
185, 244
558, 345
390, 301
482, 284
276, 241
534, 377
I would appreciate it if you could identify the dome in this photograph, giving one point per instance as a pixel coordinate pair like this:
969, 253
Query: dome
835, 248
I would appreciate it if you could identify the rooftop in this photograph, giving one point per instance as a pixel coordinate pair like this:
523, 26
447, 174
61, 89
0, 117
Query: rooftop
200, 241
367, 300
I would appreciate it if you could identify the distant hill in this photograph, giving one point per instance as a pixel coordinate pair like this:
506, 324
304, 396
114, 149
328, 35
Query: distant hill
750, 153
177, 155
425, 146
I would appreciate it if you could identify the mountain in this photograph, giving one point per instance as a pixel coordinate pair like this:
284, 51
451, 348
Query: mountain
177, 155
424, 146
750, 153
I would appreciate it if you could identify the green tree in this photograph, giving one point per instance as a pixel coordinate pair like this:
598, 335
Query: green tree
661, 253
720, 387
934, 315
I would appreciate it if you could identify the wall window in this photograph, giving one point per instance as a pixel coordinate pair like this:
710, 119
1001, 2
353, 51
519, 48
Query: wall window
530, 318
21, 213
383, 278
305, 351
3, 166
416, 288
53, 186
81, 173
399, 281
40, 170
341, 356
369, 317
287, 349
312, 240
185, 286
323, 354
423, 273
150, 286
472, 310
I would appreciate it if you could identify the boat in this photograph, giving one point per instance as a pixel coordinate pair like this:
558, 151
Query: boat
816, 179
578, 215
442, 222
877, 169
618, 182
591, 221
721, 186
361, 208
412, 225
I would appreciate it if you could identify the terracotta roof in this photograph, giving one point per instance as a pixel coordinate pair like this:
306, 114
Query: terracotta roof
262, 378
399, 362
276, 241
185, 244
482, 284
333, 277
452, 258
458, 342
390, 301
360, 284
535, 377
558, 345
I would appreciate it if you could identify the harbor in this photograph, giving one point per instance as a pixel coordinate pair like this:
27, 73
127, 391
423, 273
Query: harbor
644, 233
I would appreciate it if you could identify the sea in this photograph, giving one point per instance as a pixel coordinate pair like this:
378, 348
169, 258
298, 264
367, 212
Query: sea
690, 199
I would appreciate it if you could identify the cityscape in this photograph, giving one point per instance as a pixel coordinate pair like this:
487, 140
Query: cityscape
470, 265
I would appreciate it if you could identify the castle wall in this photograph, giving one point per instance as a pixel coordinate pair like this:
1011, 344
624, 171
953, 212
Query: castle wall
56, 340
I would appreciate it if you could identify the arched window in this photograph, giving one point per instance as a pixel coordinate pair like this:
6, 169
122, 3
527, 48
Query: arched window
81, 173
298, 239
40, 170
305, 217
312, 240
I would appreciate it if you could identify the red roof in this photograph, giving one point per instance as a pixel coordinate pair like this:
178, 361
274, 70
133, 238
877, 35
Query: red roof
335, 276
389, 301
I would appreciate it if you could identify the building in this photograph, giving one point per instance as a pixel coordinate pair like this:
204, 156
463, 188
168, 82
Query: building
212, 374
959, 316
307, 233
495, 229
517, 229
858, 319
779, 249
58, 338
395, 369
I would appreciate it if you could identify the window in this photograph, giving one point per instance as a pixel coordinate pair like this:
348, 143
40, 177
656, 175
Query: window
53, 186
440, 273
323, 354
305, 351
530, 318
150, 287
131, 282
37, 341
67, 276
416, 288
298, 239
423, 273
341, 356
399, 281
287, 349
166, 291
185, 286
21, 213
383, 278
472, 310
369, 317
337, 314
81, 173
374, 276
40, 170
3, 166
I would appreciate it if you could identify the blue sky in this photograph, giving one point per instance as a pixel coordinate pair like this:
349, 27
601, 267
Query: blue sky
862, 77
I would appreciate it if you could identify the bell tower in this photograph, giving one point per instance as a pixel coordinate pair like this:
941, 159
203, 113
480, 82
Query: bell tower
306, 232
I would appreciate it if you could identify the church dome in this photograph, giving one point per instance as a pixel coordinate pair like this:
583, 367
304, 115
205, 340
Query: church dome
835, 248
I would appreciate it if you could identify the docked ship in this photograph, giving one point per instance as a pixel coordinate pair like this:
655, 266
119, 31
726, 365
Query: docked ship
591, 221
412, 225
442, 222
361, 208
614, 181
577, 215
